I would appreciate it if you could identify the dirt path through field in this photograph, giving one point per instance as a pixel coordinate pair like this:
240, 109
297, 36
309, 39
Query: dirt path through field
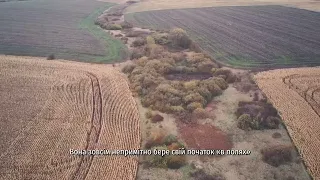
50, 107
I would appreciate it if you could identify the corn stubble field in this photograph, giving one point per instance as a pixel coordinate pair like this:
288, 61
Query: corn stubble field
296, 95
48, 107
252, 36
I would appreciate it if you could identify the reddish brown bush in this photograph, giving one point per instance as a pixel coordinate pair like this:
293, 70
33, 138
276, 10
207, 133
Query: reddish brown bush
271, 122
157, 139
276, 135
277, 155
157, 118
256, 96
175, 162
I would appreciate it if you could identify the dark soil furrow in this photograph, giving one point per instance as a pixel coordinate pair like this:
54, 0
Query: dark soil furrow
94, 132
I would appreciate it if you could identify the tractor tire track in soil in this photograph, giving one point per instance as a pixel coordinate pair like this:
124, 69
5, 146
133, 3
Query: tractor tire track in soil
86, 110
95, 130
309, 97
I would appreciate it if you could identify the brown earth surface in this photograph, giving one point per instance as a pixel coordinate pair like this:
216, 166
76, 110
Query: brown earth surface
296, 95
41, 28
149, 5
50, 107
246, 36
204, 137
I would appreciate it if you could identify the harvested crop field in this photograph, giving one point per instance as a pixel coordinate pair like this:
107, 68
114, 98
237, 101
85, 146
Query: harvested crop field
256, 36
296, 95
63, 28
151, 5
50, 107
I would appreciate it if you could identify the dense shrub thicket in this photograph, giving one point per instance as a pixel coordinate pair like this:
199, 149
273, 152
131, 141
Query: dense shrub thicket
147, 80
161, 142
152, 62
257, 115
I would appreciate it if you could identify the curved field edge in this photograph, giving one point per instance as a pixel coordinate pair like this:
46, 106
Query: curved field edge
299, 116
115, 50
244, 37
86, 106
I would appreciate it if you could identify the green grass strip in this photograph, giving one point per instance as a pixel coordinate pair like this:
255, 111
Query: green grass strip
115, 50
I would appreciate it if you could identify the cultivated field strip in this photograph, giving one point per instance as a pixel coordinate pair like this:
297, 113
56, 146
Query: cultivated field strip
295, 93
40, 28
257, 36
65, 29
84, 107
152, 5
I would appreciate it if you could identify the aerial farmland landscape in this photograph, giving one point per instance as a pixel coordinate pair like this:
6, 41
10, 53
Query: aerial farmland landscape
160, 90
251, 36
63, 28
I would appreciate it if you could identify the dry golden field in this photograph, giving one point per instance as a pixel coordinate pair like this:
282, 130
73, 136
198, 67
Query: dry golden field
296, 95
149, 5
50, 107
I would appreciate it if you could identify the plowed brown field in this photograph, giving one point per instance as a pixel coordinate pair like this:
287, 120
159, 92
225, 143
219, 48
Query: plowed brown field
296, 95
245, 36
151, 5
50, 107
